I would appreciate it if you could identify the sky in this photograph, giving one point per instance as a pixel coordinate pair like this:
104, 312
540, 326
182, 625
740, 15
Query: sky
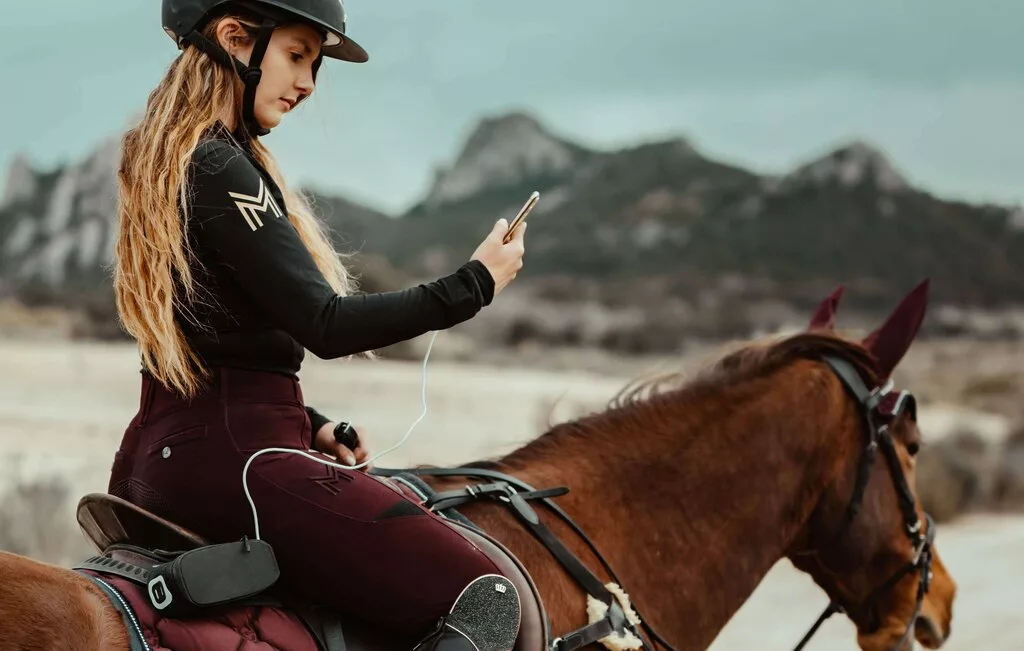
768, 84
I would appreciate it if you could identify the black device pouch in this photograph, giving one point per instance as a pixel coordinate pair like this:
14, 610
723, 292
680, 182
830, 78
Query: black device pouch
211, 575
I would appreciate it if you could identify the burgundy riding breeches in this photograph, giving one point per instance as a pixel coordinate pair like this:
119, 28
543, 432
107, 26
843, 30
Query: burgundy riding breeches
342, 538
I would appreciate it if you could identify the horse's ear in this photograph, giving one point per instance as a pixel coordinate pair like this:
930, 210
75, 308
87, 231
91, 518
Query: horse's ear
890, 342
825, 316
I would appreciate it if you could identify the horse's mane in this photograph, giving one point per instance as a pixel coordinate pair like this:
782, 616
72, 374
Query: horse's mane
641, 399
746, 361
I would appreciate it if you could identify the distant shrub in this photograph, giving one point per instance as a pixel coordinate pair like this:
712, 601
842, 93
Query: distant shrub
990, 385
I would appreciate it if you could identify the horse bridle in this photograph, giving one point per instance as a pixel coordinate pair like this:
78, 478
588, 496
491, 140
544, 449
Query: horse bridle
880, 407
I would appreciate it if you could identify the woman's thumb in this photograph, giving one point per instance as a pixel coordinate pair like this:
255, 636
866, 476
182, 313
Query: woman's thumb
500, 226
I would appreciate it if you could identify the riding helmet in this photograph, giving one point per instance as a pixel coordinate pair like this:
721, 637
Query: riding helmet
183, 20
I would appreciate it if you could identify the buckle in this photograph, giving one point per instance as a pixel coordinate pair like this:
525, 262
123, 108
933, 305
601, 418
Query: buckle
875, 396
920, 543
509, 492
481, 490
884, 389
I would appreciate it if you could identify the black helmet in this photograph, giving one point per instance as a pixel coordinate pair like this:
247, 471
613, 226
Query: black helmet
180, 17
183, 20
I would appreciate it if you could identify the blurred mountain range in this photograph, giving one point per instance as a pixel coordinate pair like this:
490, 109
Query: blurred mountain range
657, 233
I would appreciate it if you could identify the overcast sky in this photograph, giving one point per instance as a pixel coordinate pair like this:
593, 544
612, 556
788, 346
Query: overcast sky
938, 84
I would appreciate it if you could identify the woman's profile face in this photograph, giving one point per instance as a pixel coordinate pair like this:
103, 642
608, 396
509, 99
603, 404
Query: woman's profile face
287, 70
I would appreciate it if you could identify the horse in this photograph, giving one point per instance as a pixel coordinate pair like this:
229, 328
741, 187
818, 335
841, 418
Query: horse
681, 495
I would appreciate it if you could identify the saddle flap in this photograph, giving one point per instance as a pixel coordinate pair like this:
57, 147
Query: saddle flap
533, 633
108, 520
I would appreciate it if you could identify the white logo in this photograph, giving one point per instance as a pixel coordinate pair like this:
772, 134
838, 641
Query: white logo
159, 594
250, 205
500, 588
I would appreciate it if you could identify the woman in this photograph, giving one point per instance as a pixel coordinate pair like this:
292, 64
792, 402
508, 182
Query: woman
224, 277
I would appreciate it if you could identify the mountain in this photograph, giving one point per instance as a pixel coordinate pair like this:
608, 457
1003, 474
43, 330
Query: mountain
601, 214
664, 210
848, 167
654, 224
56, 227
504, 152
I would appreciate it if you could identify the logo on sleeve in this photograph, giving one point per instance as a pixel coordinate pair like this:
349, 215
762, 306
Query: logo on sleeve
250, 206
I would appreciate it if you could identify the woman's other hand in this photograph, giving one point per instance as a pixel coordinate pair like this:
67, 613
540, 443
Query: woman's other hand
324, 442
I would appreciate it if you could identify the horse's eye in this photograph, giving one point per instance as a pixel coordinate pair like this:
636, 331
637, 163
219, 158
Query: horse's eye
913, 448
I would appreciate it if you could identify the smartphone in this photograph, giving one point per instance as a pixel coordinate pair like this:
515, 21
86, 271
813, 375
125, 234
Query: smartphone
523, 212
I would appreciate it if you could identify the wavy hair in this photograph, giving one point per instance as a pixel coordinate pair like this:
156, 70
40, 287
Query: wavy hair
153, 279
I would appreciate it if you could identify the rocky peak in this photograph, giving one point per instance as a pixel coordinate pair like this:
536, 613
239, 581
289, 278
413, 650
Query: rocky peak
64, 228
20, 182
503, 151
850, 166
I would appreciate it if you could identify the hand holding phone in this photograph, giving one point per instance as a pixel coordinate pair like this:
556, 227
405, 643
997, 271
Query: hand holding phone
523, 212
503, 261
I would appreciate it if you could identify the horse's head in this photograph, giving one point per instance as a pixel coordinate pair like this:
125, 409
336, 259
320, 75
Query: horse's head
869, 544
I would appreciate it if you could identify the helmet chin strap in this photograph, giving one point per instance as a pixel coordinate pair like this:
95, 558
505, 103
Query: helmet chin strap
250, 74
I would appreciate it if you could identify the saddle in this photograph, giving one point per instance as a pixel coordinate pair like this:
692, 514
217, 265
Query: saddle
130, 539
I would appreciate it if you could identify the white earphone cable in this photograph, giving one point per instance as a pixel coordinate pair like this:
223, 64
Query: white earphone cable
245, 469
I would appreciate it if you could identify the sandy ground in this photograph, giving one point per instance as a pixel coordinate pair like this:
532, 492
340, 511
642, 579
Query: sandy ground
63, 407
984, 554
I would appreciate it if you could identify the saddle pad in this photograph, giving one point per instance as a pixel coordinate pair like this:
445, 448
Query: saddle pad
253, 628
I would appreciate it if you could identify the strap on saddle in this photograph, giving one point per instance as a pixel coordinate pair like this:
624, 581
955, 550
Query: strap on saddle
424, 491
515, 494
183, 583
500, 490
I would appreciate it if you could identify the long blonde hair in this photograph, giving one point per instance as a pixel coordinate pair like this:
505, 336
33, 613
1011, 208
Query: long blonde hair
152, 274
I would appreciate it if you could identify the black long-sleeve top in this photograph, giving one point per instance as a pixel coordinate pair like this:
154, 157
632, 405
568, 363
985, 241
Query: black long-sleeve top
263, 300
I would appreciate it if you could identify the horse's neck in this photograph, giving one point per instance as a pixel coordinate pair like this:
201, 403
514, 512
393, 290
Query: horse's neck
691, 513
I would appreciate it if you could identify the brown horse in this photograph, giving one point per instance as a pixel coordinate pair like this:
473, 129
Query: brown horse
692, 490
